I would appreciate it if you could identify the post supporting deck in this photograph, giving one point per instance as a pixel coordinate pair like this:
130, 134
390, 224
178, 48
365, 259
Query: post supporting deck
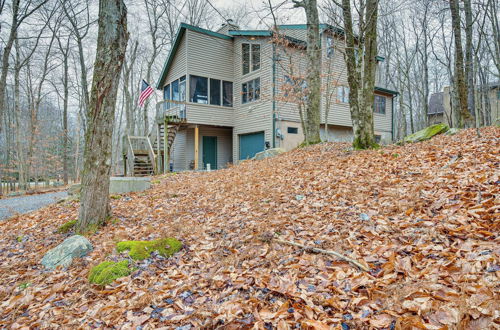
166, 161
158, 149
196, 147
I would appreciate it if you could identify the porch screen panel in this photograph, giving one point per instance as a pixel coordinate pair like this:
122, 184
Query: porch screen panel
198, 89
215, 91
227, 93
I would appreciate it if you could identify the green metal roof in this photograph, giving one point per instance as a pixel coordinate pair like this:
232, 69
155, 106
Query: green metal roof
380, 58
385, 90
300, 26
178, 37
256, 33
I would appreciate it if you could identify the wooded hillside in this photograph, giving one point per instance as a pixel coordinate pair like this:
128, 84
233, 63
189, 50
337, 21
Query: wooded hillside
423, 217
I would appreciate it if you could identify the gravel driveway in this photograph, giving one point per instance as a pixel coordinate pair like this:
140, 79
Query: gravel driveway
24, 204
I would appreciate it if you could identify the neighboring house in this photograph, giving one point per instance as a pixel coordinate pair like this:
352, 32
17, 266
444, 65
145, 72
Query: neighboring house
218, 91
487, 99
436, 113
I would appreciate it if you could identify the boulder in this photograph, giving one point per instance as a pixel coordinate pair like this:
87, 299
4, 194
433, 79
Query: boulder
452, 131
268, 153
426, 133
62, 255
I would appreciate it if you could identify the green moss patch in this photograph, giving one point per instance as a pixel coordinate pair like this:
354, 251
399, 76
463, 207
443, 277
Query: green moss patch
68, 226
140, 250
426, 133
108, 271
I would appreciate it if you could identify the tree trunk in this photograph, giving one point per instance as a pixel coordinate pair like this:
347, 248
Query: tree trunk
65, 116
469, 64
111, 46
464, 116
361, 67
312, 105
6, 55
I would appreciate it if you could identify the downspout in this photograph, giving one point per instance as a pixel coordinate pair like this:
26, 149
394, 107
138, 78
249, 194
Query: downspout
392, 117
274, 95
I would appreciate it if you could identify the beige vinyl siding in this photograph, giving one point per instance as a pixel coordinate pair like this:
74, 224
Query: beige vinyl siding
383, 122
292, 61
183, 151
179, 64
334, 74
253, 116
300, 34
224, 145
178, 153
209, 57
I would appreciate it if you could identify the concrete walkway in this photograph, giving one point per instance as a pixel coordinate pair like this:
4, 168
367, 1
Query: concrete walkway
24, 204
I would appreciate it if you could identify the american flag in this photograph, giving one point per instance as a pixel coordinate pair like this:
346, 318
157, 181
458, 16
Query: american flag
146, 92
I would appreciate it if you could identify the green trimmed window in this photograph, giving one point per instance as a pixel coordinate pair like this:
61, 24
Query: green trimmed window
379, 104
250, 91
250, 57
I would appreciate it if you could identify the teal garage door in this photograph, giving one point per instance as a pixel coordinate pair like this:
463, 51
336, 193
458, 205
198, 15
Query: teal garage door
250, 144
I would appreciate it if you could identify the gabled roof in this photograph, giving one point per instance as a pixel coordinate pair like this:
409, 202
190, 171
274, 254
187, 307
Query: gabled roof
251, 33
266, 33
178, 37
323, 27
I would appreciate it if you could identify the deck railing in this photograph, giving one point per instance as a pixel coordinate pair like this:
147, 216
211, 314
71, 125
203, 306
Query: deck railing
167, 109
140, 144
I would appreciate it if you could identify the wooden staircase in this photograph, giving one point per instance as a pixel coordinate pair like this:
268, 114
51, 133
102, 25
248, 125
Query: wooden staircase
145, 155
143, 166
172, 129
139, 157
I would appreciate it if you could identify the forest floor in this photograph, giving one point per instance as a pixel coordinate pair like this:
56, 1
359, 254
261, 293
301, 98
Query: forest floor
423, 217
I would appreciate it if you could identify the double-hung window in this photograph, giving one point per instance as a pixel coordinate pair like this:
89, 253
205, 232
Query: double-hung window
250, 91
330, 51
343, 94
250, 57
379, 104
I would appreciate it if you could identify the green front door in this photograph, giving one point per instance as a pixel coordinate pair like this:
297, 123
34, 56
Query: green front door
210, 152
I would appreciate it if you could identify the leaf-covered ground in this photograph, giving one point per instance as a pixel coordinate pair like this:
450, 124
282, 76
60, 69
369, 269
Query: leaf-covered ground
424, 217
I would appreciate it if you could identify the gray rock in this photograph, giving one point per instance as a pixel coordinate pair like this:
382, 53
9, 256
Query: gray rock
268, 153
299, 197
62, 255
364, 217
452, 131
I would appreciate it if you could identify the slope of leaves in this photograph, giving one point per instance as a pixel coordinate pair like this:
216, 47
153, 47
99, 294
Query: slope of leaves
429, 234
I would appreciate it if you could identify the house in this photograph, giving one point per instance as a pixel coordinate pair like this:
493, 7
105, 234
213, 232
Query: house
231, 93
436, 113
487, 103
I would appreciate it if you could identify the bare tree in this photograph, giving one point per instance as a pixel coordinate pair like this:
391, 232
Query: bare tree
469, 60
313, 78
361, 51
19, 13
78, 15
111, 47
459, 65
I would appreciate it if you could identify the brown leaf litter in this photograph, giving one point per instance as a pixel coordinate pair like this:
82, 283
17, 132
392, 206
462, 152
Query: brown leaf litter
424, 220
